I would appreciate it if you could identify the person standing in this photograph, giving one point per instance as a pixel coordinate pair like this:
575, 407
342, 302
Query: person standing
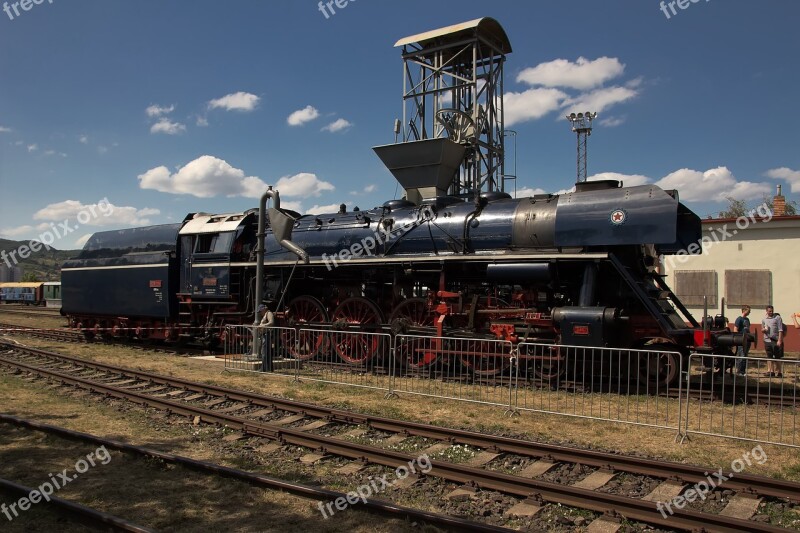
267, 322
742, 325
772, 327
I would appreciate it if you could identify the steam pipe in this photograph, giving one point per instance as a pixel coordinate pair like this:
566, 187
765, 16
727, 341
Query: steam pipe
260, 245
262, 224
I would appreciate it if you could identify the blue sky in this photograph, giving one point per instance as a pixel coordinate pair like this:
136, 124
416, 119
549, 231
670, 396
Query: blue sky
168, 107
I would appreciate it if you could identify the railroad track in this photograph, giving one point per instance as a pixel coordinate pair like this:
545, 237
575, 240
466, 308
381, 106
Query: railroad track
256, 480
296, 423
30, 310
43, 333
729, 392
77, 337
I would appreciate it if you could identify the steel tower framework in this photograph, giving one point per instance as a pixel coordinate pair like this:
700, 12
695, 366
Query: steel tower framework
453, 88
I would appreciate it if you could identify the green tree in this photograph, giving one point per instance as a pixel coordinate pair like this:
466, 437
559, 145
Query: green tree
736, 208
29, 277
739, 208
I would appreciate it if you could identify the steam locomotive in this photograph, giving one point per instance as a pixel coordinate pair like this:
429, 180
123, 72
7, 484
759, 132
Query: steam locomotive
577, 269
456, 257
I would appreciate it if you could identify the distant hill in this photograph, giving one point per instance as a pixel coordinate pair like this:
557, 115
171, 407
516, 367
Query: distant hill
44, 265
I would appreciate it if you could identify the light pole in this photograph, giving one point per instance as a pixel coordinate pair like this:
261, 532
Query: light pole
582, 126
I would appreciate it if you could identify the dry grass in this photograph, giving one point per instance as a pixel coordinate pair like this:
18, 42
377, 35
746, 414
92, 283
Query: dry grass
149, 493
706, 451
33, 320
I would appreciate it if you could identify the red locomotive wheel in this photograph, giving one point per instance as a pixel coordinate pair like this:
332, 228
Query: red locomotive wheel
410, 313
305, 311
660, 367
485, 358
355, 348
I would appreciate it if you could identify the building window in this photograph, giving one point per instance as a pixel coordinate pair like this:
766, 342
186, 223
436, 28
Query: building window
748, 287
692, 285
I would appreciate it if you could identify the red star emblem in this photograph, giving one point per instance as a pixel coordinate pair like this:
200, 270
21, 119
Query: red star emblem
617, 217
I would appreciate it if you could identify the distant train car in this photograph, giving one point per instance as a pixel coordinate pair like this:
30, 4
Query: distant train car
52, 294
28, 293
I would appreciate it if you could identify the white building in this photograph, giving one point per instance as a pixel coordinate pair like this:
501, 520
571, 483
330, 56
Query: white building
747, 261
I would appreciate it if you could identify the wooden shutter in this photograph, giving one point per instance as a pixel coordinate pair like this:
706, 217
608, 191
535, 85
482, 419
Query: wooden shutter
748, 287
692, 285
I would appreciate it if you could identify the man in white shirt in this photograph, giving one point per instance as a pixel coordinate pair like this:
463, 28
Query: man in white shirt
772, 327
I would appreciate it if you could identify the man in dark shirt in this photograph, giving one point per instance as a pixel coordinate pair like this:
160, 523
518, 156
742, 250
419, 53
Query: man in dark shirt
742, 325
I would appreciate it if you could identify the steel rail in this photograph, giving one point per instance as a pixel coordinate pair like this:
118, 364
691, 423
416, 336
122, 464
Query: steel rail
630, 508
259, 480
691, 474
84, 514
45, 333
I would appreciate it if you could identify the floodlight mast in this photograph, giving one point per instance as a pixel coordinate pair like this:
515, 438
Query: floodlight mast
582, 126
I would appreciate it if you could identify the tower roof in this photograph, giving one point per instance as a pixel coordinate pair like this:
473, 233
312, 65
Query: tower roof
486, 28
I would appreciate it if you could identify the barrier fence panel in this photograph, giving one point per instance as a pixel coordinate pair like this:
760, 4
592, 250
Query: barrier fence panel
474, 370
272, 353
755, 406
641, 387
352, 358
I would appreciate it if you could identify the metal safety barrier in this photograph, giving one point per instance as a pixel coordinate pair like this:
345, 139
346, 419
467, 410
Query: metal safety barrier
758, 405
641, 387
652, 387
274, 350
472, 370
353, 358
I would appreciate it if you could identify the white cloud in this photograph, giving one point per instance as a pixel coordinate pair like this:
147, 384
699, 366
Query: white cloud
635, 83
367, 190
612, 122
303, 184
292, 206
531, 104
102, 149
600, 99
33, 147
164, 125
23, 231
628, 180
4, 129
157, 110
712, 185
82, 240
526, 192
50, 152
205, 177
323, 209
784, 173
84, 139
98, 214
201, 121
582, 74
337, 125
302, 116
240, 101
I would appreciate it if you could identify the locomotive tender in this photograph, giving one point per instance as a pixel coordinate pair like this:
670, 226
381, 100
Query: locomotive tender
456, 257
